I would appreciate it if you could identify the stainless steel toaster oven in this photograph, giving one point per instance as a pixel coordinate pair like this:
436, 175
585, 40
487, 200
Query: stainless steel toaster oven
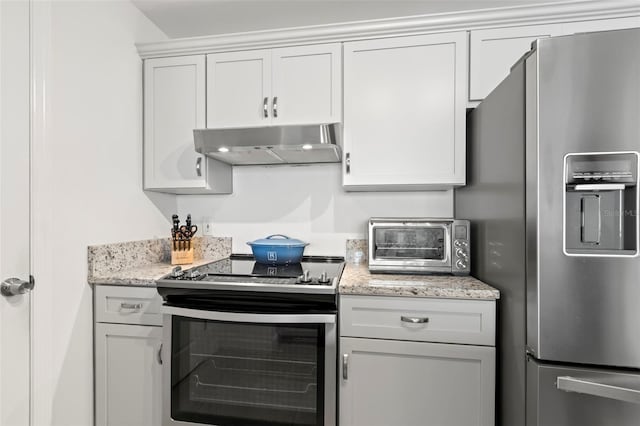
419, 245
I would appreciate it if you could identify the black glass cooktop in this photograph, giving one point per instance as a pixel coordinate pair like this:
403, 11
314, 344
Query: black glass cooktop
241, 269
245, 265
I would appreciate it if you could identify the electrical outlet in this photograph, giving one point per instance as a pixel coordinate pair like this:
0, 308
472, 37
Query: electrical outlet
207, 229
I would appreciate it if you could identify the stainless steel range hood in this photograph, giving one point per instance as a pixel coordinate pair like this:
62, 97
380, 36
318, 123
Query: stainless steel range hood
271, 145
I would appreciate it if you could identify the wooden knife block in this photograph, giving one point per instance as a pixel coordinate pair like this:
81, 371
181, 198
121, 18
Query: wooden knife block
182, 257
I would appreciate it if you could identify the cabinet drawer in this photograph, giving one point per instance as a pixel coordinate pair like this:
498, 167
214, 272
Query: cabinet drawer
127, 305
443, 320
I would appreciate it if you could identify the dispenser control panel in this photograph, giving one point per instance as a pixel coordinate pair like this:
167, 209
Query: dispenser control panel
601, 204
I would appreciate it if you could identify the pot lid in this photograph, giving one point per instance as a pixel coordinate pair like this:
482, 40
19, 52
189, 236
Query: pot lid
283, 241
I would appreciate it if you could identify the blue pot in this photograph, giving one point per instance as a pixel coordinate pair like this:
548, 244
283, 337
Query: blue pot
278, 251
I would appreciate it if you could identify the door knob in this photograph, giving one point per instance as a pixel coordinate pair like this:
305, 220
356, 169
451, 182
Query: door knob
15, 286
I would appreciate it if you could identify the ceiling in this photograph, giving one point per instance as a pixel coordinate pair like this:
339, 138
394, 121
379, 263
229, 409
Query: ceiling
190, 18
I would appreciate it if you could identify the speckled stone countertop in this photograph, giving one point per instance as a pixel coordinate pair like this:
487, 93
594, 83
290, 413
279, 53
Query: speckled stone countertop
141, 263
356, 279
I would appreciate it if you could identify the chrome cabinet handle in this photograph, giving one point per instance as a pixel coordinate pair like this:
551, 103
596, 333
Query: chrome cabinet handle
414, 320
160, 355
275, 107
131, 306
345, 366
265, 107
347, 162
199, 166
603, 390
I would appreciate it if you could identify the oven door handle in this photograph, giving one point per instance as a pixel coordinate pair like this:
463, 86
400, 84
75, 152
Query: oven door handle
254, 318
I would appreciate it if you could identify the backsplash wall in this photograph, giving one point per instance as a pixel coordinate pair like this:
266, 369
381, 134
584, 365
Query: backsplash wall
305, 202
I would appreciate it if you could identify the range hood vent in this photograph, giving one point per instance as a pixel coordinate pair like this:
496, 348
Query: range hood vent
271, 145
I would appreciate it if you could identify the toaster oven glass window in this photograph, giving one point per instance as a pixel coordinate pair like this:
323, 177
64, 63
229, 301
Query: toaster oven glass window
410, 243
232, 374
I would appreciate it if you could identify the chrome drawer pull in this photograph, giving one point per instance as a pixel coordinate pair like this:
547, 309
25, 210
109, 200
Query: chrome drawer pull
414, 320
132, 306
345, 366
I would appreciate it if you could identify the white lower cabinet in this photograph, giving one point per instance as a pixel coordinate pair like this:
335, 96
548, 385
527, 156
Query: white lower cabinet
128, 369
394, 381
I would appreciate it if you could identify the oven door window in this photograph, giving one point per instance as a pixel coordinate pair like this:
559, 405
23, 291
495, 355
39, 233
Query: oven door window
425, 243
228, 373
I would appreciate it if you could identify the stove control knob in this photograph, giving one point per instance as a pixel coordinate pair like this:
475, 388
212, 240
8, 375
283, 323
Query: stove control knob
305, 278
193, 274
177, 272
323, 278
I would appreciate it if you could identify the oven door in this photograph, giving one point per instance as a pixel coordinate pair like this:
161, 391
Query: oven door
227, 368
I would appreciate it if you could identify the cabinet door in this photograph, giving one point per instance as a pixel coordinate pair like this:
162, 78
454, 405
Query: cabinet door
601, 25
239, 89
404, 112
128, 375
307, 84
495, 50
416, 384
174, 105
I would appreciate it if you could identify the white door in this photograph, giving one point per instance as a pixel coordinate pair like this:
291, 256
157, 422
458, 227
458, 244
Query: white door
404, 112
14, 212
239, 89
128, 375
494, 51
402, 383
307, 84
174, 105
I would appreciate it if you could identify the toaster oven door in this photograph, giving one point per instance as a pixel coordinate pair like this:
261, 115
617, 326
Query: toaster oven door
411, 247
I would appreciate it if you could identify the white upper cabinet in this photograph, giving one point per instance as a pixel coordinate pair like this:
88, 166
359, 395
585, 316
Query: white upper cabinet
293, 85
495, 50
307, 84
238, 89
601, 25
404, 112
174, 105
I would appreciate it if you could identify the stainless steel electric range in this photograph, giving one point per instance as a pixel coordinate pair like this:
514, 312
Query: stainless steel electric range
251, 344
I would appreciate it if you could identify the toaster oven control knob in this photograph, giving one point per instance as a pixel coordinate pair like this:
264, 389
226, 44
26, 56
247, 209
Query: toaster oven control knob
323, 278
460, 243
461, 264
305, 278
461, 253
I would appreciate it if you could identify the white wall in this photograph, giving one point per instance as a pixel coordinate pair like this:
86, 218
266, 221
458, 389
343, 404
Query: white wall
305, 202
95, 180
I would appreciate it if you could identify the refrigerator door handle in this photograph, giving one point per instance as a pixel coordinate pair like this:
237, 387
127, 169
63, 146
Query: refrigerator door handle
603, 390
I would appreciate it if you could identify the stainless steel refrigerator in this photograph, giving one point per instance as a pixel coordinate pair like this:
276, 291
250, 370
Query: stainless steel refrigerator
552, 196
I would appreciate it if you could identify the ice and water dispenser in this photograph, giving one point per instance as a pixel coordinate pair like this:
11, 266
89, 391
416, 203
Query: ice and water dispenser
601, 204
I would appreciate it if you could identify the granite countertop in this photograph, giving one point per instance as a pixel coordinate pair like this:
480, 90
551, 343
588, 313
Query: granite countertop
356, 279
141, 263
144, 275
